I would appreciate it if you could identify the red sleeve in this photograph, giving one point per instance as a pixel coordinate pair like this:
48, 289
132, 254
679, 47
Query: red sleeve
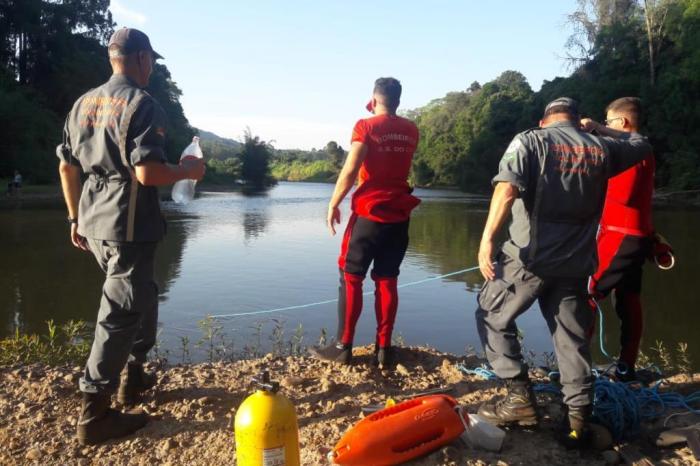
360, 133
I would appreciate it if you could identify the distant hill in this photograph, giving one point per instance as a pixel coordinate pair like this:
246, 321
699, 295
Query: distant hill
216, 146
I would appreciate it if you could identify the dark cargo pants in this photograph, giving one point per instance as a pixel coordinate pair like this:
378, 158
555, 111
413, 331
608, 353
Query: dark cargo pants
128, 315
563, 302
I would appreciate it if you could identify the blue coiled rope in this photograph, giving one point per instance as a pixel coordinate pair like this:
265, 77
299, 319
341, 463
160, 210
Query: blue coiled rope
621, 407
481, 371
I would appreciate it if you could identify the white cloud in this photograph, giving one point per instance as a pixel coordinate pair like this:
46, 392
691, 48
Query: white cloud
125, 16
285, 133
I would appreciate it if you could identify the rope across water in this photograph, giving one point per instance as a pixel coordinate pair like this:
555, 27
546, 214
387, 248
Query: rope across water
328, 301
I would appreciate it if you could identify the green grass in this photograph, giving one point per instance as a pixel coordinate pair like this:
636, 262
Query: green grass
33, 189
63, 344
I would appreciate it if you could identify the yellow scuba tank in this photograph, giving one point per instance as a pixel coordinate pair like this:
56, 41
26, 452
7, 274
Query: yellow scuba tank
266, 428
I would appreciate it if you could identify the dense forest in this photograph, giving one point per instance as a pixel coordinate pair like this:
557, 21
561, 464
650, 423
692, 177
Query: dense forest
53, 51
645, 48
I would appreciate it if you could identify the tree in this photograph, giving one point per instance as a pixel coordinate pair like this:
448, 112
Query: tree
255, 161
590, 17
655, 12
51, 52
336, 153
178, 130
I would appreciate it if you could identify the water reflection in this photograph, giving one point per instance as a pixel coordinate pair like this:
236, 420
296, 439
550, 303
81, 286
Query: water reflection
446, 236
169, 253
232, 253
254, 223
41, 274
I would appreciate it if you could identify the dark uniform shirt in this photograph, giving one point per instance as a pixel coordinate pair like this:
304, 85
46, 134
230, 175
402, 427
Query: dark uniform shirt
561, 173
109, 130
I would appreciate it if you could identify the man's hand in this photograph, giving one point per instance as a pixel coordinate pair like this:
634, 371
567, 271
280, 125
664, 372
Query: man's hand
78, 241
195, 168
589, 125
333, 218
486, 259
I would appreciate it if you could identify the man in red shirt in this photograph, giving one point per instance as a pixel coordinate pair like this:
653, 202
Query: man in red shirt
377, 232
625, 235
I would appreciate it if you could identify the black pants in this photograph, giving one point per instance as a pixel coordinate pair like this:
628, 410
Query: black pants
366, 241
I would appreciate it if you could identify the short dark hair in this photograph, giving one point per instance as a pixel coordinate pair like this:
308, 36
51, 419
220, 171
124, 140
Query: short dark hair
116, 51
632, 106
390, 89
560, 109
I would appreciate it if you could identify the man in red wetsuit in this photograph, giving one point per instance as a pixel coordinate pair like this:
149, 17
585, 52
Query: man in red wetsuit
377, 232
625, 235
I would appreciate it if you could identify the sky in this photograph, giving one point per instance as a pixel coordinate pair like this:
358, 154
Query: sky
299, 74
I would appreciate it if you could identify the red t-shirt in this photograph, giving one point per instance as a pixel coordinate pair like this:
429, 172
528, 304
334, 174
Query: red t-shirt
628, 200
383, 194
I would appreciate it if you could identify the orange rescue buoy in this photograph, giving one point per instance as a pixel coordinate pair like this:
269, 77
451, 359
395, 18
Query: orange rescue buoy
400, 433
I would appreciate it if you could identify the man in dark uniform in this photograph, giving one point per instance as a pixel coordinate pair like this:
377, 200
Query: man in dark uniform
553, 180
377, 232
115, 134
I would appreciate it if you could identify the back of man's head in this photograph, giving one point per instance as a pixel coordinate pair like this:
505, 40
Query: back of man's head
563, 108
117, 54
388, 92
630, 107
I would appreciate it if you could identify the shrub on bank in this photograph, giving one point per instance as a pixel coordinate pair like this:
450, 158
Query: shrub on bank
63, 344
317, 170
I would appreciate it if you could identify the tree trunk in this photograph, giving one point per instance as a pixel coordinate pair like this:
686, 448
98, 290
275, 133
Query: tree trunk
649, 20
22, 59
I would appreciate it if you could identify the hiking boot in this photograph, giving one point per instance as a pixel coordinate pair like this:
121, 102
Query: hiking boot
579, 434
384, 358
336, 352
134, 381
518, 406
98, 423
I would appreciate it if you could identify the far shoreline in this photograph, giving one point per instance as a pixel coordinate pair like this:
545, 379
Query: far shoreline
50, 195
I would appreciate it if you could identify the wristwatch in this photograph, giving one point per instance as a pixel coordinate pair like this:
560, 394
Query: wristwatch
72, 221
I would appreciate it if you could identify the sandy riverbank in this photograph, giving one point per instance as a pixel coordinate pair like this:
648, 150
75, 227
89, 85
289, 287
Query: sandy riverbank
193, 409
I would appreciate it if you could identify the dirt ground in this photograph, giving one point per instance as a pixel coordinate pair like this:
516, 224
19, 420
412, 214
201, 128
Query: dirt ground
193, 409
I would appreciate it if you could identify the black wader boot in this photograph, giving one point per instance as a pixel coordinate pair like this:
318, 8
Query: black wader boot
579, 434
336, 352
134, 381
98, 423
518, 406
384, 357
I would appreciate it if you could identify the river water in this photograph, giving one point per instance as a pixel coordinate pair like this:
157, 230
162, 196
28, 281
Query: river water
226, 253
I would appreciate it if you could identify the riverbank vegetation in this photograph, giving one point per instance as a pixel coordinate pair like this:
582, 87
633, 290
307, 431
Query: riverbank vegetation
52, 52
314, 165
69, 343
649, 49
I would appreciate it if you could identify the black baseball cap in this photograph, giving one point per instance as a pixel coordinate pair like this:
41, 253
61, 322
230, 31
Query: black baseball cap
567, 102
132, 40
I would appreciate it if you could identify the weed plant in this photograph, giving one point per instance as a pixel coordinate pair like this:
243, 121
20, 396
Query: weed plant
70, 343
63, 344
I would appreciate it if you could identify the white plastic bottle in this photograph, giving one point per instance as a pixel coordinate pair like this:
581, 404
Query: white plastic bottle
183, 190
478, 433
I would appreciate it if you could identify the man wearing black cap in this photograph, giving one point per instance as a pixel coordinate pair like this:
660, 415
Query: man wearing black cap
115, 134
553, 181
